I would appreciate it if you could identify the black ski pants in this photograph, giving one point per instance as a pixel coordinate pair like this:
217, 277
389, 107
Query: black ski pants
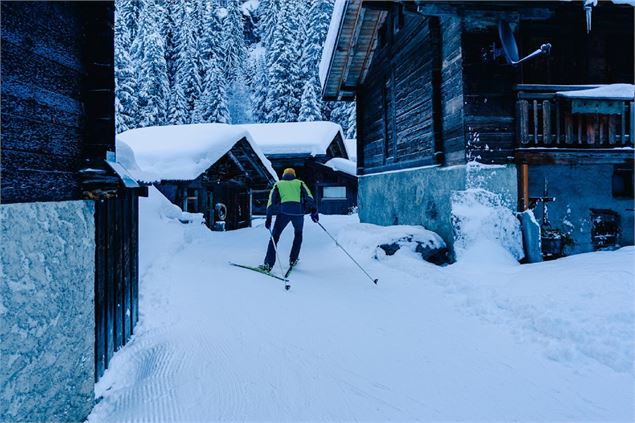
282, 220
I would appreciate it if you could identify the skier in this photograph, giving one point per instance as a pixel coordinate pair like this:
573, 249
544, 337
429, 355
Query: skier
289, 199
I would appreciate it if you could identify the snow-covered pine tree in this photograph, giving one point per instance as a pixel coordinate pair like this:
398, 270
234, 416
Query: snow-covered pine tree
125, 76
178, 111
234, 41
259, 89
310, 103
351, 131
283, 99
316, 27
186, 61
154, 88
212, 106
127, 15
125, 92
268, 17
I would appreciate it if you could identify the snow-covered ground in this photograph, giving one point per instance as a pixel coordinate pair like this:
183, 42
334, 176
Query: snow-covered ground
484, 339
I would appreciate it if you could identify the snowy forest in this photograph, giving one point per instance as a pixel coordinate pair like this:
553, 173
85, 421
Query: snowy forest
227, 61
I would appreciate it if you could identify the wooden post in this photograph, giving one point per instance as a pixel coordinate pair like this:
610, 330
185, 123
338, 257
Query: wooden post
557, 122
612, 129
524, 186
623, 128
631, 141
535, 114
568, 128
523, 121
591, 125
546, 122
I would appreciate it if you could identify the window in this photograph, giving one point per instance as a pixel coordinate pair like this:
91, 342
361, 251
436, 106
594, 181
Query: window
191, 201
623, 182
334, 193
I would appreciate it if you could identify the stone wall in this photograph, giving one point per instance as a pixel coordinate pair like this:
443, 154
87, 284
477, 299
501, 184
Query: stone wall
47, 325
422, 196
577, 189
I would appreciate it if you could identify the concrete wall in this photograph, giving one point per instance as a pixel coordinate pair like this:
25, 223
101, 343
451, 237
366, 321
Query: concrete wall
47, 324
577, 189
422, 196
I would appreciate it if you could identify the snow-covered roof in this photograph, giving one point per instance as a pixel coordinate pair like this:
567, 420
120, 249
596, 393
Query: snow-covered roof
179, 152
603, 92
331, 38
343, 165
311, 138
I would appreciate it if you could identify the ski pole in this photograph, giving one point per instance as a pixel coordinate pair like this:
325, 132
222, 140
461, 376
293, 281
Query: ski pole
351, 257
275, 248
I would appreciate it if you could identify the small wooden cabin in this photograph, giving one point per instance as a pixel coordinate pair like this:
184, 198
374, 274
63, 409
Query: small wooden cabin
69, 212
307, 147
436, 89
216, 175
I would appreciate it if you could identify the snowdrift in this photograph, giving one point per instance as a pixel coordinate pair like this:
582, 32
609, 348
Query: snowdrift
484, 229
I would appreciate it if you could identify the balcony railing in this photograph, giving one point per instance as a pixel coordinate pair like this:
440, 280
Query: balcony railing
546, 119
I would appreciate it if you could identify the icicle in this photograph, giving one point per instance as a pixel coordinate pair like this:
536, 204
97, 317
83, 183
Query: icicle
588, 8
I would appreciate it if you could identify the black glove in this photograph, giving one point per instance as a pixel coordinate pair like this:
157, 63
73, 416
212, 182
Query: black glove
315, 216
268, 222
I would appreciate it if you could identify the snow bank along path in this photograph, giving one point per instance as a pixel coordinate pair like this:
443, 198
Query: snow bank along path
482, 340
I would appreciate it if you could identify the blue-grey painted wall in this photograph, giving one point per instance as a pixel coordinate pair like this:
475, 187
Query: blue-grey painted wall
47, 326
577, 189
422, 196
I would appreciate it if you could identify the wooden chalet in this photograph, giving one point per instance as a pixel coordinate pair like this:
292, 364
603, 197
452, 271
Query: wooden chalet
69, 211
218, 177
438, 85
307, 147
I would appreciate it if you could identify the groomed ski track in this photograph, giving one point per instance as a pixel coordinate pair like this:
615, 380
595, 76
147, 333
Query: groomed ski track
219, 343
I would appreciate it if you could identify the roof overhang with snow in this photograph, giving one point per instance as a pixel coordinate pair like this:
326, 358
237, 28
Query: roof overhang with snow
184, 152
298, 139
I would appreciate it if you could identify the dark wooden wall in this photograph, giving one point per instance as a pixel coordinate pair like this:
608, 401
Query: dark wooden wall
603, 56
396, 122
48, 52
116, 275
435, 94
489, 101
453, 141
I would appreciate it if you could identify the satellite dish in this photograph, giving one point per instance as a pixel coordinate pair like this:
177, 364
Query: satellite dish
510, 48
506, 35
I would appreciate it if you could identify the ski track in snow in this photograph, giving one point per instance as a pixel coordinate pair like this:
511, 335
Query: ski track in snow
221, 343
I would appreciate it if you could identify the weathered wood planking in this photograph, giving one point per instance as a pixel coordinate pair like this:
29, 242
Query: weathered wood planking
116, 275
452, 91
101, 298
489, 102
397, 125
43, 123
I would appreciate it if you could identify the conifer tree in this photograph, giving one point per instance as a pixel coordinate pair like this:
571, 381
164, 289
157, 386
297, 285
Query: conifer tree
283, 102
154, 88
234, 41
212, 106
259, 90
125, 77
310, 103
186, 61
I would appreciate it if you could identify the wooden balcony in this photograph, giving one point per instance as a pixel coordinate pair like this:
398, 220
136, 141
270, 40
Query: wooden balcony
547, 118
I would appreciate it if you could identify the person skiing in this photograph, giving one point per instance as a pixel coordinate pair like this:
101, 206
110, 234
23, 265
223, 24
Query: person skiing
289, 199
